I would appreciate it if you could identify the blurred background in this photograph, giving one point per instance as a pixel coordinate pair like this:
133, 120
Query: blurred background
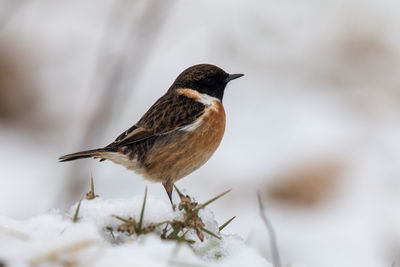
313, 126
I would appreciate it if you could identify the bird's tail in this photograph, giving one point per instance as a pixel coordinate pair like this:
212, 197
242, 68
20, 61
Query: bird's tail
94, 153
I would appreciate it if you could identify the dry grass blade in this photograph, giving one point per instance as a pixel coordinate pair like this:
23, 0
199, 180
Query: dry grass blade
91, 184
91, 194
161, 223
179, 192
120, 218
201, 206
76, 218
142, 211
175, 229
132, 227
274, 247
110, 229
210, 233
57, 257
226, 223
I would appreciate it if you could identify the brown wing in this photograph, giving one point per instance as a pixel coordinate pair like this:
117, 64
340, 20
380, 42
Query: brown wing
170, 112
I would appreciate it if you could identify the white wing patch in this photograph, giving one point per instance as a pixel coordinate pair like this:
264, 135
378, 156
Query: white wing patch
191, 127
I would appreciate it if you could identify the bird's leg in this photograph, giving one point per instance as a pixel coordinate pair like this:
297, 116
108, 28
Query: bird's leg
168, 185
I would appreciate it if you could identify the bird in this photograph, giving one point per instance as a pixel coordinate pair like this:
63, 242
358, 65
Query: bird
178, 134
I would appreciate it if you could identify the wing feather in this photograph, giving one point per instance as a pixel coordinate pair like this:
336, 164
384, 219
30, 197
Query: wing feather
171, 112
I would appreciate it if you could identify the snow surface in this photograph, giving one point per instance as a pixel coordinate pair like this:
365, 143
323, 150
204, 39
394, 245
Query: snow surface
53, 239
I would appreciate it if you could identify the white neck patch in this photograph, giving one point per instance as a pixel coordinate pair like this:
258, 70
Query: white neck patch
207, 99
210, 102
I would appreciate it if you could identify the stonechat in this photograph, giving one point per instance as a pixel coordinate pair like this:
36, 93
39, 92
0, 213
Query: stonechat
179, 132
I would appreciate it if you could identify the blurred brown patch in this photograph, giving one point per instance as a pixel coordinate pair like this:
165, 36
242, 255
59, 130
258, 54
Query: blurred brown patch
364, 61
17, 91
307, 185
360, 47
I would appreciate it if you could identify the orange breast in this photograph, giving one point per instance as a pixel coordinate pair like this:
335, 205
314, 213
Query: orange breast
184, 151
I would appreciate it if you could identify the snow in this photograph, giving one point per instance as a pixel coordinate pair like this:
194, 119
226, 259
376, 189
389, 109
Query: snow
321, 83
53, 239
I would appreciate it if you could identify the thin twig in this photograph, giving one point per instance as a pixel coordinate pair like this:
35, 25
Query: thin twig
127, 65
111, 73
274, 247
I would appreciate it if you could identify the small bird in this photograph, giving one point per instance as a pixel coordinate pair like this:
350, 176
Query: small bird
179, 132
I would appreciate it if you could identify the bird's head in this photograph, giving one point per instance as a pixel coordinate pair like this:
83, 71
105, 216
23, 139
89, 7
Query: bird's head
206, 79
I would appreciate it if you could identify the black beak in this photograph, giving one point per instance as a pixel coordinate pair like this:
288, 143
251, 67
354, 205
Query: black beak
232, 77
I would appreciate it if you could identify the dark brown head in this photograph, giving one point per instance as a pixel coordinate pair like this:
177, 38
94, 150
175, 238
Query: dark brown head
204, 78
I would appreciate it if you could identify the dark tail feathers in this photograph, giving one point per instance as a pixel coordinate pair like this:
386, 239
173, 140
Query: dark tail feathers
94, 153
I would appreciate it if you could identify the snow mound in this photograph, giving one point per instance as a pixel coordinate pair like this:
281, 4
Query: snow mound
53, 239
